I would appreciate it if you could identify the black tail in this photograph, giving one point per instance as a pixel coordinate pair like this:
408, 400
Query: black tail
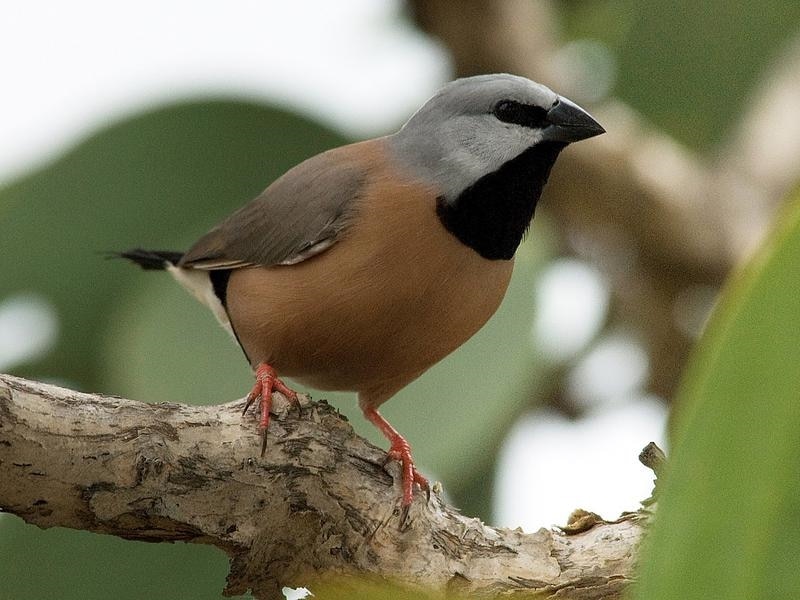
150, 260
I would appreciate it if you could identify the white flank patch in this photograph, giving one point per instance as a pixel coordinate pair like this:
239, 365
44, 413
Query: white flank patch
198, 283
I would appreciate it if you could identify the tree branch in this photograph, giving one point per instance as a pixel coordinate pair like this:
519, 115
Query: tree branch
318, 504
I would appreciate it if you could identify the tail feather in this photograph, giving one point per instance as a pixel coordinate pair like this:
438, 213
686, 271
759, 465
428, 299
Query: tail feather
150, 260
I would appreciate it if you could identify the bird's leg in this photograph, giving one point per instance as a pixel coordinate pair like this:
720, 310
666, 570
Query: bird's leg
399, 450
266, 382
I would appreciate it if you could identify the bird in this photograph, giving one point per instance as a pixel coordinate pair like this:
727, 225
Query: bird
363, 266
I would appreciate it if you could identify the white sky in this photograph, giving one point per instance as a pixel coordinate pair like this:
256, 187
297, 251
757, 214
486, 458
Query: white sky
69, 67
550, 466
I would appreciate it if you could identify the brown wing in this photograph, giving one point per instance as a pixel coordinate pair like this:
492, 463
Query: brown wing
301, 214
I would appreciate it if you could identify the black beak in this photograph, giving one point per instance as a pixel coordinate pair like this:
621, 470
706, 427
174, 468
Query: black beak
570, 123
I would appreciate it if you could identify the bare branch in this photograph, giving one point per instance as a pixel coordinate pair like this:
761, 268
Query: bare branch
319, 504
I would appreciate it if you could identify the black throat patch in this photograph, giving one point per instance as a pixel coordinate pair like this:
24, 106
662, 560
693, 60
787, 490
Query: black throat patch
492, 214
219, 281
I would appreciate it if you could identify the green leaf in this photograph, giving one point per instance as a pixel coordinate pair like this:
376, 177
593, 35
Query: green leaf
156, 180
727, 524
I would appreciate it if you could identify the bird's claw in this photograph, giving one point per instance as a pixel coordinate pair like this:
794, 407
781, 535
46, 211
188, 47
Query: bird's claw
401, 452
404, 516
266, 383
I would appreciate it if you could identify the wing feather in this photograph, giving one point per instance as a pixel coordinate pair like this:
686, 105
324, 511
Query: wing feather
300, 215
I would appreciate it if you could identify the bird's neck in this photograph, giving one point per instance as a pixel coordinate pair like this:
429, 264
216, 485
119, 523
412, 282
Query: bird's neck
492, 214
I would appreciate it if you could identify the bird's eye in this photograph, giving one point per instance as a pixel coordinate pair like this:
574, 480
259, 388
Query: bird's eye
527, 115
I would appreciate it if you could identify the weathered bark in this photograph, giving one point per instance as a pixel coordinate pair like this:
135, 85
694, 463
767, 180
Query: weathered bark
317, 505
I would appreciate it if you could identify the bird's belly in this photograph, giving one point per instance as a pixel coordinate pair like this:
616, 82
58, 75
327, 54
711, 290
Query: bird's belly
338, 324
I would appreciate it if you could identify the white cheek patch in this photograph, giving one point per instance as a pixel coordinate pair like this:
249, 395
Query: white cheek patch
199, 285
479, 146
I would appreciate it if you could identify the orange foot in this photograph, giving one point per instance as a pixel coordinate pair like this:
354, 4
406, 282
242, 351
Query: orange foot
400, 450
266, 382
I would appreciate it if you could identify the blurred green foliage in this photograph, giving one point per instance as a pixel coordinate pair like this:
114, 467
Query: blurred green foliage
727, 524
686, 65
63, 563
156, 180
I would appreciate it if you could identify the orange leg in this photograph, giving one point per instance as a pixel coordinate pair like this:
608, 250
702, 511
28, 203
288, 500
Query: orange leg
266, 382
400, 450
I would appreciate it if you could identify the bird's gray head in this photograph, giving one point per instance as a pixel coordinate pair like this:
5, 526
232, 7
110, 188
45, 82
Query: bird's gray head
474, 125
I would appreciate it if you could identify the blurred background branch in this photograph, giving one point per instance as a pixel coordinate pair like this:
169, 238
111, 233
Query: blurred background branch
664, 224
